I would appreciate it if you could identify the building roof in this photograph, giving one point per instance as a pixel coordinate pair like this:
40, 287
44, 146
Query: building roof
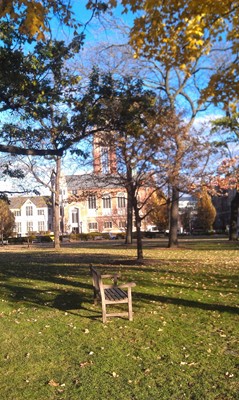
93, 181
38, 201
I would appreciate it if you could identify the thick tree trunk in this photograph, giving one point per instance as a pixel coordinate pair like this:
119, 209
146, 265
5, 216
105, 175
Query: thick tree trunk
174, 213
129, 228
57, 204
138, 232
234, 217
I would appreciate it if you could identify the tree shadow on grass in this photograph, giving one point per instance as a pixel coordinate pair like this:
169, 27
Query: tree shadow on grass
70, 301
50, 297
62, 281
145, 297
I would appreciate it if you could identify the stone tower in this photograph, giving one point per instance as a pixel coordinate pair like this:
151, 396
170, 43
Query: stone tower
104, 157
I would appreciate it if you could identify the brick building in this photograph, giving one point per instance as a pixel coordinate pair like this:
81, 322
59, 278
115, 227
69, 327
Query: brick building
96, 202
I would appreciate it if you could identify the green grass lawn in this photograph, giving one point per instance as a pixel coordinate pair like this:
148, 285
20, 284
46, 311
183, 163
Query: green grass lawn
182, 344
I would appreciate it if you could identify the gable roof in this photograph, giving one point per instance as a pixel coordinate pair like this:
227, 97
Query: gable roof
38, 201
93, 181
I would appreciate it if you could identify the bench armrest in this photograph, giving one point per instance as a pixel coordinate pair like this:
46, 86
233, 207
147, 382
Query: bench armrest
123, 286
127, 285
114, 277
110, 276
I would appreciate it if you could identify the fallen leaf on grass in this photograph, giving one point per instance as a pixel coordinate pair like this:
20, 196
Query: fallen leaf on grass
53, 383
85, 364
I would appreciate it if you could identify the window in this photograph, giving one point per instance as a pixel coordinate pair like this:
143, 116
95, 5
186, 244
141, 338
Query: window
121, 201
41, 226
40, 212
108, 225
74, 216
29, 226
74, 191
29, 211
122, 224
92, 202
93, 226
106, 201
105, 160
17, 213
18, 227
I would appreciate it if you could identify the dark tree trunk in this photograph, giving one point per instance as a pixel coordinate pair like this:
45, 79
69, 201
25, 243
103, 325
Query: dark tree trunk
129, 188
129, 227
174, 213
234, 217
138, 232
57, 204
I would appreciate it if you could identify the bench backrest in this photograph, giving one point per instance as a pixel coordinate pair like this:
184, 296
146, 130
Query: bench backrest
97, 281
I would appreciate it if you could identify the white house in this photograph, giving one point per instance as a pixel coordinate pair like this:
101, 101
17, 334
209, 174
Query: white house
32, 214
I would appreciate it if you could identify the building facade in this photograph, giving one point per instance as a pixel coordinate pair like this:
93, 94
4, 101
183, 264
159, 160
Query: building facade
32, 214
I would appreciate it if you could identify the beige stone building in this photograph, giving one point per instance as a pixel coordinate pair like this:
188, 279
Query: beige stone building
96, 202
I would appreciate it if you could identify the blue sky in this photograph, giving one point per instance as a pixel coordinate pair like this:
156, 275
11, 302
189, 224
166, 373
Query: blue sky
96, 32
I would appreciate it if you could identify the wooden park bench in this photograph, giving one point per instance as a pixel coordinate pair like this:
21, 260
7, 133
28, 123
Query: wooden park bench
111, 294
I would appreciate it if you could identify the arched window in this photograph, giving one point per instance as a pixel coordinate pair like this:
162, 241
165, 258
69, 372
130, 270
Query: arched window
121, 201
91, 202
106, 201
75, 216
105, 160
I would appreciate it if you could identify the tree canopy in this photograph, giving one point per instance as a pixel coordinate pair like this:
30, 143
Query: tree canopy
32, 17
178, 33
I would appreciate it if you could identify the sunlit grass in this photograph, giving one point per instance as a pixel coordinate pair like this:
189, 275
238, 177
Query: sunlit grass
182, 344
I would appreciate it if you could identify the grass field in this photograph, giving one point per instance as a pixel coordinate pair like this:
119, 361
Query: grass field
182, 344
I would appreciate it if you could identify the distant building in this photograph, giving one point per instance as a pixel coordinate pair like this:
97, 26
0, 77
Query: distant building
96, 202
32, 214
222, 203
187, 201
91, 203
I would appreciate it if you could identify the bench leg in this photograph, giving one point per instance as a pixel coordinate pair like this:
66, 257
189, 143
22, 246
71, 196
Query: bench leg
130, 308
103, 312
95, 298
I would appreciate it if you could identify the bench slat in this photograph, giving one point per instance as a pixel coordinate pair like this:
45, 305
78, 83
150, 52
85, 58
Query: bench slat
115, 294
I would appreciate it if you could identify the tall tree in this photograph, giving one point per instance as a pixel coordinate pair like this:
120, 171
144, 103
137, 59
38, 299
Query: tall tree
181, 161
128, 111
206, 212
227, 179
7, 220
54, 116
183, 40
158, 208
